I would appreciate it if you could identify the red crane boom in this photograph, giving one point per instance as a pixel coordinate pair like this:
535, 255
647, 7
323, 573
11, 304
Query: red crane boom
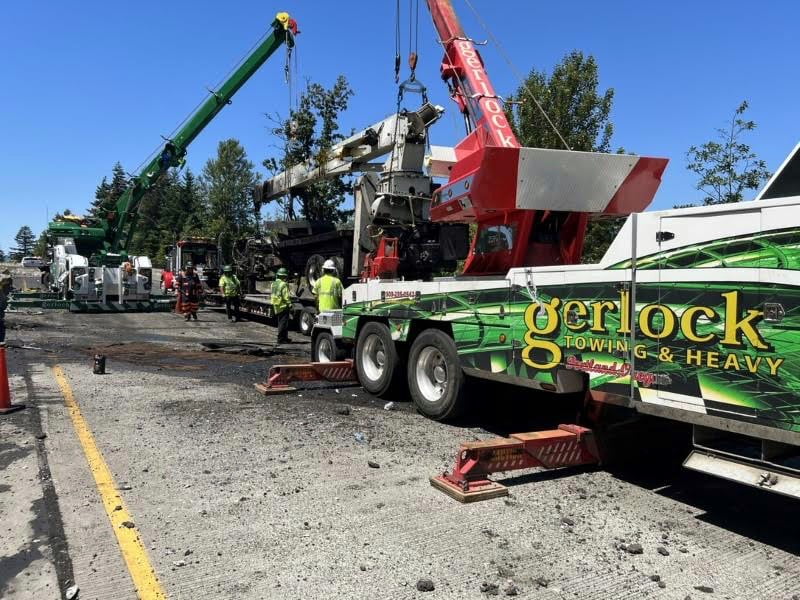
528, 208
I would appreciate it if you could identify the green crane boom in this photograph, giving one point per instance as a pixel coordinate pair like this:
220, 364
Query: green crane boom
113, 235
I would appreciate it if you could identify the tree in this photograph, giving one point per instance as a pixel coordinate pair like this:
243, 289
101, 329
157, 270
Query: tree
227, 182
148, 239
309, 133
25, 241
40, 248
726, 167
571, 97
192, 206
2, 256
107, 194
182, 214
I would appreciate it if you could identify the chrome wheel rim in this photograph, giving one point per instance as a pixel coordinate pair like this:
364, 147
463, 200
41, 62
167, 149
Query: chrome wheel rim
431, 374
305, 322
373, 357
325, 350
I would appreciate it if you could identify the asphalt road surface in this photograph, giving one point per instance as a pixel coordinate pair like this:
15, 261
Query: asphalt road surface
170, 474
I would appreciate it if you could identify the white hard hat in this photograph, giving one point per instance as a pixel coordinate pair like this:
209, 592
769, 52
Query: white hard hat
328, 265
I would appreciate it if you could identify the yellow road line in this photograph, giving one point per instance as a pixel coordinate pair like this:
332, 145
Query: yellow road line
144, 577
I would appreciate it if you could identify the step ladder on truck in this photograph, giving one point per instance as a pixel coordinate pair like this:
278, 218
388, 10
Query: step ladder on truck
692, 315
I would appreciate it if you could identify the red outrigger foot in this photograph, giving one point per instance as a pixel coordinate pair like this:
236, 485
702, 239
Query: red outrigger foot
567, 446
281, 375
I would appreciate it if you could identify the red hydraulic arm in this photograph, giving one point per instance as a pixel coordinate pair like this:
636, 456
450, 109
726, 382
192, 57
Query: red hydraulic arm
491, 182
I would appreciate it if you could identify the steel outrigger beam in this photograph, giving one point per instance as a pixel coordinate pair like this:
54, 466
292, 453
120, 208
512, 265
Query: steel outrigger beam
567, 446
281, 375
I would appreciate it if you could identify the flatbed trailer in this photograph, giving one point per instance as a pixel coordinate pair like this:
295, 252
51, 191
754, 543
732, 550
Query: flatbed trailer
303, 309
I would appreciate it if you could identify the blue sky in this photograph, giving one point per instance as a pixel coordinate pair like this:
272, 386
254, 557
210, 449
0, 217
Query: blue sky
89, 83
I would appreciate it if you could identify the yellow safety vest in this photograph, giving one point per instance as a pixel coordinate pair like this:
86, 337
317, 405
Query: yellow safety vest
229, 285
328, 290
280, 296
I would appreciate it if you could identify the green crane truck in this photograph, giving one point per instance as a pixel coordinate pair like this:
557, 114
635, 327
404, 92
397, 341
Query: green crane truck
91, 266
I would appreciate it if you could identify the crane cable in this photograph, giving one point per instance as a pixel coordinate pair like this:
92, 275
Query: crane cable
397, 42
516, 72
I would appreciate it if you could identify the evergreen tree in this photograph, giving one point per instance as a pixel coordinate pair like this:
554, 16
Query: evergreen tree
193, 207
25, 241
148, 236
40, 248
182, 213
107, 194
227, 183
571, 97
2, 256
309, 133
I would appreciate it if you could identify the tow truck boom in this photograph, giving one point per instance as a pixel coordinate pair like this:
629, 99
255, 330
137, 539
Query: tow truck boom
114, 232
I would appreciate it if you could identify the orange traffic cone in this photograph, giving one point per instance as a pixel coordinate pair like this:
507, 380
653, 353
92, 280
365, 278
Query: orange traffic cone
5, 393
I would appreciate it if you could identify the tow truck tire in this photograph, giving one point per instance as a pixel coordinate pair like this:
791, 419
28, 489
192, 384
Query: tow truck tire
314, 269
376, 358
339, 262
325, 348
435, 377
305, 320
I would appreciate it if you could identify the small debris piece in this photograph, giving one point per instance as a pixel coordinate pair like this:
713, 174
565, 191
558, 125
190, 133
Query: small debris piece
511, 590
662, 551
490, 589
373, 465
568, 521
188, 552
662, 584
388, 406
542, 581
125, 487
343, 410
128, 524
179, 563
118, 507
634, 548
425, 585
362, 567
706, 589
72, 592
360, 437
655, 577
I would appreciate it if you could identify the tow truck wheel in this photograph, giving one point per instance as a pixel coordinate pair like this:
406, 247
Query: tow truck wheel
305, 321
435, 378
325, 348
314, 269
376, 358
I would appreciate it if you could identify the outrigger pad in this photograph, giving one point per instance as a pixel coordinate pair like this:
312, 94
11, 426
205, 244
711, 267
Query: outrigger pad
486, 491
275, 390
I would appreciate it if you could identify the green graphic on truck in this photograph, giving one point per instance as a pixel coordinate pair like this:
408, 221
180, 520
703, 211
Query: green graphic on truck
703, 346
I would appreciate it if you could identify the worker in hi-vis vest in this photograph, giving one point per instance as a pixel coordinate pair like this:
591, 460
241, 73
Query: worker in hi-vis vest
281, 303
328, 288
231, 289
